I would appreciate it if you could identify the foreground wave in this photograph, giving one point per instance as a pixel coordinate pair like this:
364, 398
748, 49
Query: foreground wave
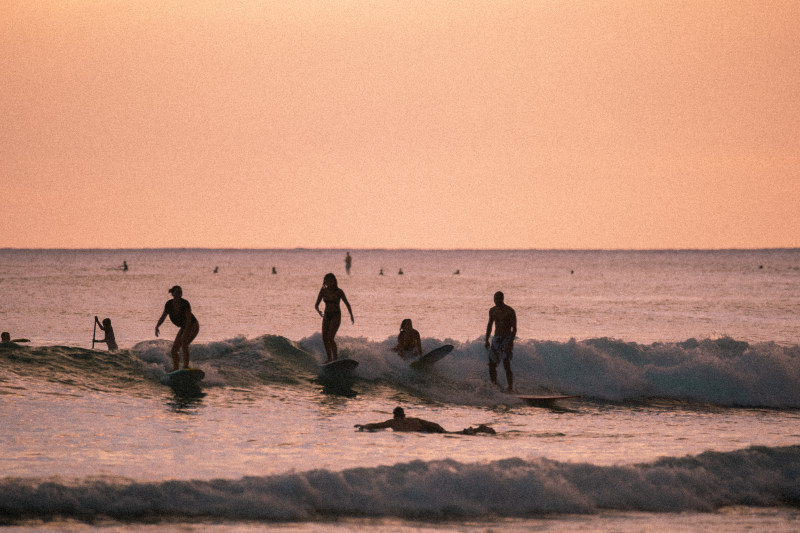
754, 477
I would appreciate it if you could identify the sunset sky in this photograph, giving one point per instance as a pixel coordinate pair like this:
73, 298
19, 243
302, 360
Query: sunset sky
400, 124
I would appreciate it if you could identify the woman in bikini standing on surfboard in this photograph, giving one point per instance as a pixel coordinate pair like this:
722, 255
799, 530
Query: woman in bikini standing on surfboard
332, 317
180, 313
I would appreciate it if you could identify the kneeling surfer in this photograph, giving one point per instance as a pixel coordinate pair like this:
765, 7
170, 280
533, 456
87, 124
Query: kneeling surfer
408, 341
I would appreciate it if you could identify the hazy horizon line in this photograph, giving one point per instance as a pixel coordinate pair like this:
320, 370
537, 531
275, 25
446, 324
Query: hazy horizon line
368, 249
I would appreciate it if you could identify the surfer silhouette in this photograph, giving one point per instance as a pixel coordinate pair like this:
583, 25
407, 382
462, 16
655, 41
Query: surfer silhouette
400, 422
124, 266
110, 340
504, 319
180, 313
408, 341
332, 317
348, 262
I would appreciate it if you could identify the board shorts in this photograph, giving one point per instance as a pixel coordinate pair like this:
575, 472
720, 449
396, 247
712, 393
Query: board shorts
497, 352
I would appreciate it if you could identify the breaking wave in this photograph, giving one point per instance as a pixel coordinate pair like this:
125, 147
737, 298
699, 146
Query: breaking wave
755, 477
723, 372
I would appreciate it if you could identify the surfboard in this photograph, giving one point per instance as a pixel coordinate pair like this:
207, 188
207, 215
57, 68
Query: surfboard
339, 366
432, 356
544, 399
185, 376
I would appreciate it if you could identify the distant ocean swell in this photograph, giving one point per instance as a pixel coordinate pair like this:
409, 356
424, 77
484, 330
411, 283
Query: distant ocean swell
755, 477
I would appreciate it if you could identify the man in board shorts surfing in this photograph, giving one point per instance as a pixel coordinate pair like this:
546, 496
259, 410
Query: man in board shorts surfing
500, 349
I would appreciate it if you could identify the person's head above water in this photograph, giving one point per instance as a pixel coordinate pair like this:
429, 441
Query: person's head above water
176, 291
399, 413
5, 337
405, 325
330, 281
498, 298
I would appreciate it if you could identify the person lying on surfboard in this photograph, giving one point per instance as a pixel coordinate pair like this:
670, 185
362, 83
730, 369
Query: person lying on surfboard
408, 341
180, 313
401, 423
110, 340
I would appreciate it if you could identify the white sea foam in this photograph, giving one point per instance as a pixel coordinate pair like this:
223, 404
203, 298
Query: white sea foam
721, 371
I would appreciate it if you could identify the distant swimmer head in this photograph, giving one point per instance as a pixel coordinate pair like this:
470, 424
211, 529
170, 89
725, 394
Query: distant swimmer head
405, 325
399, 413
5, 337
499, 297
176, 290
330, 281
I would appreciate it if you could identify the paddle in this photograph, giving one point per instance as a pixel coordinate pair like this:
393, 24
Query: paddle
94, 332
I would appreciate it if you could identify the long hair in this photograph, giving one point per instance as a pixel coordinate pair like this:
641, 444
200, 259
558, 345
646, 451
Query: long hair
405, 325
329, 281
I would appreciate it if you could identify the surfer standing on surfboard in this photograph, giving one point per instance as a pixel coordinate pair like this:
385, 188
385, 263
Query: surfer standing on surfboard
180, 313
408, 340
504, 319
332, 317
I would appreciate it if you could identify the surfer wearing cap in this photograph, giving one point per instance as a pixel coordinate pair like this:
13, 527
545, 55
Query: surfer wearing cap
110, 340
332, 317
180, 313
401, 423
504, 319
408, 340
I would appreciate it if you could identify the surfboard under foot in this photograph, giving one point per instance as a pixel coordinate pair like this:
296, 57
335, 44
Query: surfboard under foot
185, 376
544, 399
340, 365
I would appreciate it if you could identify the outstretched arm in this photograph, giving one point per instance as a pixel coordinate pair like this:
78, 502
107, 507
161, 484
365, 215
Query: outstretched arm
513, 331
489, 328
349, 310
161, 321
97, 320
316, 305
374, 426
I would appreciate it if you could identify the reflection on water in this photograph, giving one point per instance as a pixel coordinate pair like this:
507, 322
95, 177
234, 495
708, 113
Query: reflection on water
187, 395
183, 401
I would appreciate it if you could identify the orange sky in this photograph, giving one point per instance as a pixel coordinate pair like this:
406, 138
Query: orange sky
400, 124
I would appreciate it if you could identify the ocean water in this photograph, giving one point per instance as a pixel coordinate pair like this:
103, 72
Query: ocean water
687, 365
